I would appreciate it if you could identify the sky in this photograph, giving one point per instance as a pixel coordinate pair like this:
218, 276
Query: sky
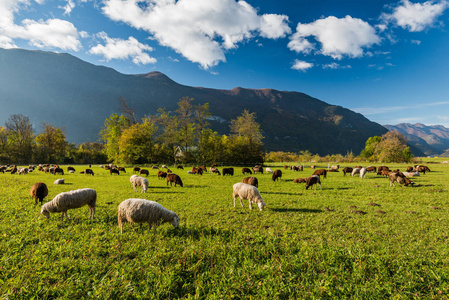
387, 60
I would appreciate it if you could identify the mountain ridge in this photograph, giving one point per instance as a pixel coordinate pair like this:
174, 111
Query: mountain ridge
66, 91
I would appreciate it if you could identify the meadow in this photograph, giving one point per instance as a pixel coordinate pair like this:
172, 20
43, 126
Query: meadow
354, 238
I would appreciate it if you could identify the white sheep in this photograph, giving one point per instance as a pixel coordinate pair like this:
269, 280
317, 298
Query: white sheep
139, 181
145, 211
411, 174
247, 191
362, 173
59, 181
355, 171
23, 171
73, 199
268, 170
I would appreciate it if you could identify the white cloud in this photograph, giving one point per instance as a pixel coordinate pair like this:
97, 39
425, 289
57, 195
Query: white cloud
200, 30
301, 65
335, 66
123, 49
416, 42
387, 109
338, 37
70, 5
416, 16
7, 42
53, 33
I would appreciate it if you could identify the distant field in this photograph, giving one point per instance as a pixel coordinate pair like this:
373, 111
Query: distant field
355, 238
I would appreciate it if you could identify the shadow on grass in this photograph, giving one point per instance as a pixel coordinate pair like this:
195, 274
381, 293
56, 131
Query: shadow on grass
303, 210
281, 193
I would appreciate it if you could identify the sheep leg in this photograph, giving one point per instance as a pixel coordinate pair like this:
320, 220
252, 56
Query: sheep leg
241, 203
250, 207
92, 212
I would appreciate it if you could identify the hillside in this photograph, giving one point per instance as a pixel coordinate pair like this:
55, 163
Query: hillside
67, 92
432, 140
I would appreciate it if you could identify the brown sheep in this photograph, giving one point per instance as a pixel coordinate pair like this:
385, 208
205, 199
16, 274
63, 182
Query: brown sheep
196, 170
400, 178
228, 171
371, 169
313, 180
299, 180
14, 170
136, 170
39, 191
173, 178
258, 169
320, 172
179, 167
252, 181
276, 175
114, 171
121, 169
161, 174
144, 172
203, 168
285, 167
409, 169
58, 171
89, 171
381, 168
246, 170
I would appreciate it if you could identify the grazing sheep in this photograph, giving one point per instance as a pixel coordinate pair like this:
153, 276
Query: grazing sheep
59, 181
136, 170
169, 171
164, 167
299, 180
285, 167
155, 167
276, 175
14, 170
251, 181
139, 181
58, 171
381, 168
121, 169
400, 178
347, 170
73, 199
355, 171
320, 172
214, 170
371, 169
179, 167
313, 180
312, 166
335, 168
173, 178
144, 172
228, 171
362, 172
161, 174
422, 169
189, 172
409, 169
411, 174
39, 191
22, 171
246, 191
69, 168
196, 170
145, 211
114, 171
268, 170
246, 170
258, 169
203, 167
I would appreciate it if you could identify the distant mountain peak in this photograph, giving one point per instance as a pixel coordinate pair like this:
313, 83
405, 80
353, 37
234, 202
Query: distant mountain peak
157, 76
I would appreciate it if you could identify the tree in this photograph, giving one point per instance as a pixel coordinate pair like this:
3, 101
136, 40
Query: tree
20, 135
186, 123
202, 113
4, 147
136, 143
51, 145
393, 148
370, 147
127, 111
245, 127
110, 134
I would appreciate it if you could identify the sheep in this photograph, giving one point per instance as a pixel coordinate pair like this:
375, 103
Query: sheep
161, 174
59, 181
196, 170
246, 170
299, 180
164, 167
73, 199
114, 171
121, 169
39, 191
214, 170
246, 191
320, 172
88, 171
14, 170
400, 178
251, 181
71, 171
155, 167
268, 170
411, 174
144, 171
276, 175
257, 169
203, 167
335, 168
355, 171
139, 181
179, 167
58, 171
362, 173
136, 170
228, 171
371, 169
22, 171
409, 169
173, 178
381, 168
69, 168
145, 211
347, 170
313, 180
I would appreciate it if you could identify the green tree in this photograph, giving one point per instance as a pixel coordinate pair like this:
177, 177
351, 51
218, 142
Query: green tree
186, 123
51, 145
110, 134
20, 135
136, 143
246, 133
4, 147
370, 147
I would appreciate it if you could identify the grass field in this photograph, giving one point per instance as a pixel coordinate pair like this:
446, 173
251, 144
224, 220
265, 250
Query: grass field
353, 239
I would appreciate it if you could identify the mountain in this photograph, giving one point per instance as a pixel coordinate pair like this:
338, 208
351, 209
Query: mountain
67, 92
432, 140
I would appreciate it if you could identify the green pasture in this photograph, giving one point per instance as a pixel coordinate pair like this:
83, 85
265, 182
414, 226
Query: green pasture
354, 238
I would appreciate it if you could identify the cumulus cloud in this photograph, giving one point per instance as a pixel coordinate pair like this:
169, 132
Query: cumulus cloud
301, 65
416, 16
123, 49
337, 37
53, 33
200, 30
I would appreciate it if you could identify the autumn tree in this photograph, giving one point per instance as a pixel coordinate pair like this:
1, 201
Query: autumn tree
110, 134
393, 148
20, 134
136, 143
51, 145
247, 134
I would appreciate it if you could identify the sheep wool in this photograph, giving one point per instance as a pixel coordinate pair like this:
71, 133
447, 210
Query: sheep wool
145, 211
70, 200
59, 181
246, 191
39, 191
139, 181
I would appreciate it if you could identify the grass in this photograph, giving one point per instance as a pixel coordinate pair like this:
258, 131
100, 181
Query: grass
353, 239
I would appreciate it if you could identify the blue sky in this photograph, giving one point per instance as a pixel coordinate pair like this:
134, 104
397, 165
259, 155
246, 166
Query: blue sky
385, 59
